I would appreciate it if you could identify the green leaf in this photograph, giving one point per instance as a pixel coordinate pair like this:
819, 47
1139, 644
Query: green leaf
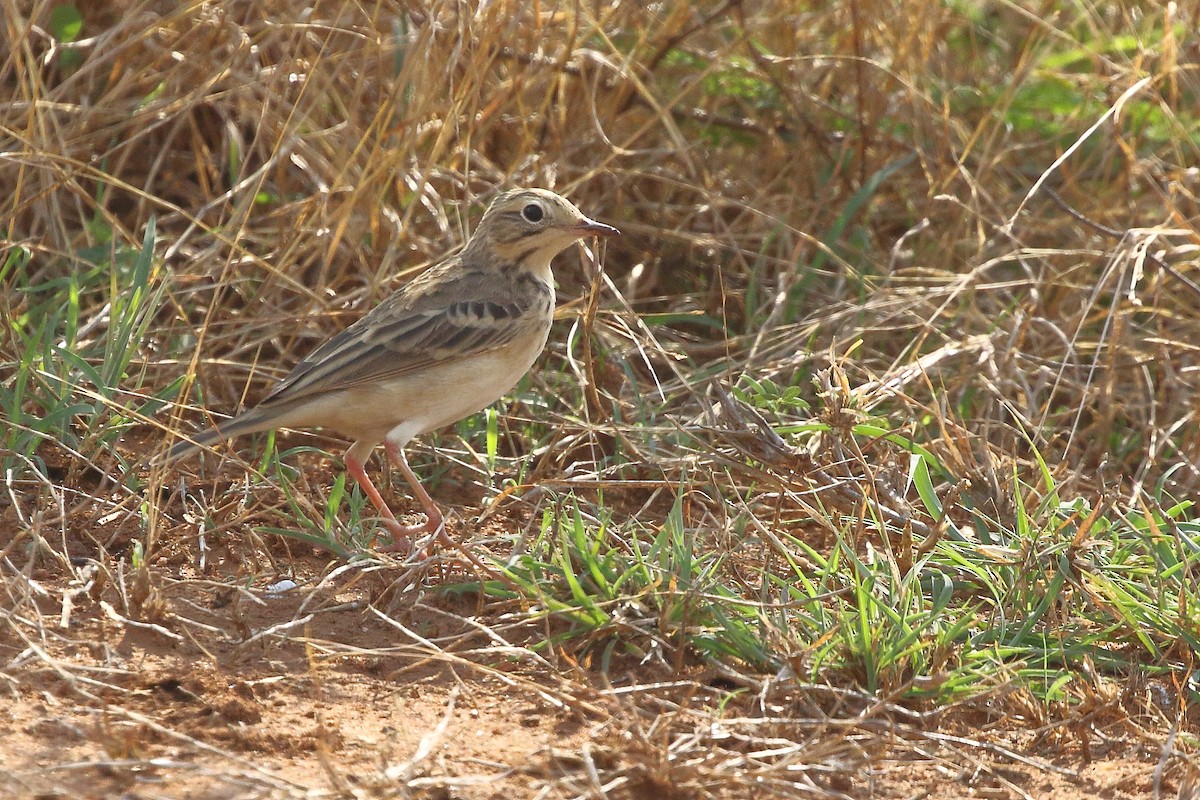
493, 437
65, 23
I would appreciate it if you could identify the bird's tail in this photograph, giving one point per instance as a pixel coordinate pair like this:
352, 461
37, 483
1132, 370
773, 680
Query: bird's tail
251, 421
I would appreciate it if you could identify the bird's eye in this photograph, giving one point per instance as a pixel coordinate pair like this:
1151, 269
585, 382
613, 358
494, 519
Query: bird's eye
533, 213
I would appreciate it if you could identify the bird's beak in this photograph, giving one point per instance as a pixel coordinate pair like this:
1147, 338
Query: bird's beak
589, 227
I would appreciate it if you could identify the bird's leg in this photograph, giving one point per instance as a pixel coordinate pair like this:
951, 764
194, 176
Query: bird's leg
401, 534
434, 519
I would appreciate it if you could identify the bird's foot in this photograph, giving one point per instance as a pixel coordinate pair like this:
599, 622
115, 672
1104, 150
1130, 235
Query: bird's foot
403, 542
404, 536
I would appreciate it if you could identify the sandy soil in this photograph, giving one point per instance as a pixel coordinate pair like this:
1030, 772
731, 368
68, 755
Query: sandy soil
367, 682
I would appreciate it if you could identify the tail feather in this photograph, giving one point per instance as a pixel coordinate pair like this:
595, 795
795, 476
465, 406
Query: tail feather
251, 421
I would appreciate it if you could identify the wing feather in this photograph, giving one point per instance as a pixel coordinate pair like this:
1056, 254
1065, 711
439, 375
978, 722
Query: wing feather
416, 327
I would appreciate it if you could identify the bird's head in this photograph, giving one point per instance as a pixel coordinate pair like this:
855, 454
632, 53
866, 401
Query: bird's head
531, 226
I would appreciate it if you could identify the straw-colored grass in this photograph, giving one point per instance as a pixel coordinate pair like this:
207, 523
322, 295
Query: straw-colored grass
875, 439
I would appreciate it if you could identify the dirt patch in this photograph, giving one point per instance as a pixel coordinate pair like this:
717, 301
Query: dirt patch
305, 688
367, 681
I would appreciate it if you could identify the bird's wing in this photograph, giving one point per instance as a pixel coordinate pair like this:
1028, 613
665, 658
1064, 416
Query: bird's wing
429, 321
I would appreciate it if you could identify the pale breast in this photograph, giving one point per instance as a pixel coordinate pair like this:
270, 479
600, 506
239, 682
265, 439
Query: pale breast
463, 387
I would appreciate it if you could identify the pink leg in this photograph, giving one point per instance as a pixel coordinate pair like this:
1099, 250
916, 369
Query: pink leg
401, 534
435, 522
434, 519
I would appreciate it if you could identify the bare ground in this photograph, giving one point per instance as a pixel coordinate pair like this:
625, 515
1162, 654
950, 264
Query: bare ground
368, 681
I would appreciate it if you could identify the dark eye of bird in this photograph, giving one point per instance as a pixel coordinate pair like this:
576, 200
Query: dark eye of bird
533, 213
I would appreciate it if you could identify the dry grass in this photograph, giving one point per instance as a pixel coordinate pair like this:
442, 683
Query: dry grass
906, 295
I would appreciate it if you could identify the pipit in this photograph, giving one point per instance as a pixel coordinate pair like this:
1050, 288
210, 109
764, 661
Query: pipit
443, 347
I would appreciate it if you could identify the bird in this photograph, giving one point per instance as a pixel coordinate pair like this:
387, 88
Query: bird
444, 346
